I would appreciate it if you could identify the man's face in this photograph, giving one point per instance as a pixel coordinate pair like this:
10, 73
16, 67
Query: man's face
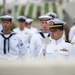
6, 25
28, 26
21, 24
44, 25
56, 33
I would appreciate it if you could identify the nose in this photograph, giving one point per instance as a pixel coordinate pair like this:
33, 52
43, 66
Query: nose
44, 24
5, 24
51, 33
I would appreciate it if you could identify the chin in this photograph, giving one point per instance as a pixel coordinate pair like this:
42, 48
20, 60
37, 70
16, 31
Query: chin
52, 37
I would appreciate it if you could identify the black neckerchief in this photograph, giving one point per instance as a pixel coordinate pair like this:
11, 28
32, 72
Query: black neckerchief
6, 38
41, 33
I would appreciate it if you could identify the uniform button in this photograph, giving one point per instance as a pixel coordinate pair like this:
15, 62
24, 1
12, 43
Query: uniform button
55, 50
54, 57
56, 44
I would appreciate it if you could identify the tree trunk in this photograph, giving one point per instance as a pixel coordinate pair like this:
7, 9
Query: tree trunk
4, 12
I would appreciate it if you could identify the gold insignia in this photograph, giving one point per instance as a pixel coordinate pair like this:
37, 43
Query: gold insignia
51, 24
64, 49
71, 42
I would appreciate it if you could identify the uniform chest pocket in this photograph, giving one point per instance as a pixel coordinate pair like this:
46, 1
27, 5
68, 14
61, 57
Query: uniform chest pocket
26, 37
14, 42
64, 53
49, 52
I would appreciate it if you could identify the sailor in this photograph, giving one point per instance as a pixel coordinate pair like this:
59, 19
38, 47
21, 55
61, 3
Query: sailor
11, 46
72, 31
52, 14
58, 47
36, 41
54, 17
24, 33
29, 25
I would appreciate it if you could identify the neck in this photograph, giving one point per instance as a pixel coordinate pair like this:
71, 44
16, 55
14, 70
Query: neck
6, 31
22, 28
45, 30
29, 27
58, 38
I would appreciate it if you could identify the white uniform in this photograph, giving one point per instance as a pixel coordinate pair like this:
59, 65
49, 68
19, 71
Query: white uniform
11, 46
0, 27
36, 43
71, 33
73, 41
33, 29
29, 21
58, 49
26, 36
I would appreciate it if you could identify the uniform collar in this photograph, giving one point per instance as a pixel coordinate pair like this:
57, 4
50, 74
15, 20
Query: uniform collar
10, 33
58, 41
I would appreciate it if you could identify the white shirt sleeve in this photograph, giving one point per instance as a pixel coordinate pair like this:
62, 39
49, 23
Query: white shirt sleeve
22, 48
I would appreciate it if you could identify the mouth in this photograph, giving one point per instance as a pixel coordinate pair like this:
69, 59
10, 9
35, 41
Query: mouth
5, 27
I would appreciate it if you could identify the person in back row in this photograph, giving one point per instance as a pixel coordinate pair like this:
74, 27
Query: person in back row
29, 25
72, 31
52, 14
24, 33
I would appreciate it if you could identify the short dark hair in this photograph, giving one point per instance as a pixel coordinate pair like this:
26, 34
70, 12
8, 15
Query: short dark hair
21, 20
6, 19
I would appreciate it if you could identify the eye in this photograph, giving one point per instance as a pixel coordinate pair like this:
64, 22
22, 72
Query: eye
42, 22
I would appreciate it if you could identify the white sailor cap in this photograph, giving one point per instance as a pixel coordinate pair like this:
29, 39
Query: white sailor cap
52, 14
21, 18
29, 21
56, 23
6, 18
45, 18
57, 19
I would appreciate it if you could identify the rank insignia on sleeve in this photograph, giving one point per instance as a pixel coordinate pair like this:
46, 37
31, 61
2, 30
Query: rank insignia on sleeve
64, 49
21, 44
71, 42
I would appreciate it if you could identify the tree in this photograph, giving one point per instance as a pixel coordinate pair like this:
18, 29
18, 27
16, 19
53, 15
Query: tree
4, 12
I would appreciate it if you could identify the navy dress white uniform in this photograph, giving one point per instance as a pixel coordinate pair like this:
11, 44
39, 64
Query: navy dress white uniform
71, 33
73, 41
11, 46
24, 34
36, 42
58, 47
29, 26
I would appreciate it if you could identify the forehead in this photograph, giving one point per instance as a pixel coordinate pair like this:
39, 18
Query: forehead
54, 29
5, 21
43, 21
21, 21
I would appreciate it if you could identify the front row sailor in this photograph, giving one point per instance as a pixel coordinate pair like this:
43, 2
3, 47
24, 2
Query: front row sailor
58, 47
11, 46
36, 41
